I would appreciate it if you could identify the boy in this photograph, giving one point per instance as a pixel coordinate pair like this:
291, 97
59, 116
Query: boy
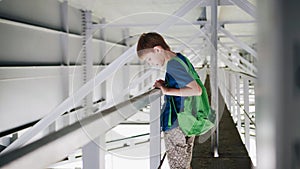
178, 84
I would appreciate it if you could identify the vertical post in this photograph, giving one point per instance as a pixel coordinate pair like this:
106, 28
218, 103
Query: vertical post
64, 39
93, 154
228, 89
233, 89
214, 72
126, 67
238, 99
65, 46
66, 58
87, 58
246, 108
155, 134
103, 57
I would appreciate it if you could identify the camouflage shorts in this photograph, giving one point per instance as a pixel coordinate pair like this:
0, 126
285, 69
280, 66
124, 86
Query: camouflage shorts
179, 148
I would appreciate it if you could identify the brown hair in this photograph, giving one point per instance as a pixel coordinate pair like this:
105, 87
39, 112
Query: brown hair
148, 41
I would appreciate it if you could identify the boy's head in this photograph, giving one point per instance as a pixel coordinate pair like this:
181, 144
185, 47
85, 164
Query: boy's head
147, 43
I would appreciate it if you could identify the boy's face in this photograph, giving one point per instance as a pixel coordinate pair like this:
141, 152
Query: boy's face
155, 59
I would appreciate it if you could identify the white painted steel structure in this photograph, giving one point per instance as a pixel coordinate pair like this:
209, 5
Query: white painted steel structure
62, 61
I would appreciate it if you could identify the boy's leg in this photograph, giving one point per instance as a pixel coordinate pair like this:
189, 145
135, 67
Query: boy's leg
179, 148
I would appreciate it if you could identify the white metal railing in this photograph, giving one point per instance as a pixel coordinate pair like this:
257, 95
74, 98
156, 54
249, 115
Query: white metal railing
238, 91
59, 144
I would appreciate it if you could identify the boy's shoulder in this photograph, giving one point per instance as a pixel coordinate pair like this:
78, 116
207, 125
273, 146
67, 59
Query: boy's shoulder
173, 64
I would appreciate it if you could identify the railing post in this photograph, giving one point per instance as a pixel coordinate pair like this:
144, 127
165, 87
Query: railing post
155, 139
228, 92
233, 89
93, 154
238, 98
246, 108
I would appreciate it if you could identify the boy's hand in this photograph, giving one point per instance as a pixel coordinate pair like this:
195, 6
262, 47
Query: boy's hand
159, 84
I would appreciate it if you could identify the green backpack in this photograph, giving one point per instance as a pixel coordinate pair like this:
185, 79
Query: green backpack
197, 117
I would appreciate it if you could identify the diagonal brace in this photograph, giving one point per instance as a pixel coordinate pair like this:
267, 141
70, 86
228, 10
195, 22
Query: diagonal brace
246, 6
239, 42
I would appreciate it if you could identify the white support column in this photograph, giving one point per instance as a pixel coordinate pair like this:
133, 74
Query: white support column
87, 59
103, 57
93, 154
246, 108
238, 98
65, 49
214, 74
64, 40
155, 144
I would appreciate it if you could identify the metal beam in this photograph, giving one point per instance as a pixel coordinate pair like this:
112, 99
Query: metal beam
155, 144
179, 13
214, 74
87, 59
130, 25
238, 91
93, 153
83, 91
239, 42
59, 144
246, 117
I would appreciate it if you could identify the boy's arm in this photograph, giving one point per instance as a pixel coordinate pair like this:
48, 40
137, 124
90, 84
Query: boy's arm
191, 89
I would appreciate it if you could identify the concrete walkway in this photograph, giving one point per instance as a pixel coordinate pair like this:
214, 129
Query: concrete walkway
232, 152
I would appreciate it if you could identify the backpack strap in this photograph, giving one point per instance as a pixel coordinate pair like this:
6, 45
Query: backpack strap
188, 67
172, 103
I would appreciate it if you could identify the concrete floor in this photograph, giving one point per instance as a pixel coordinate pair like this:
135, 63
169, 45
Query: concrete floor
232, 152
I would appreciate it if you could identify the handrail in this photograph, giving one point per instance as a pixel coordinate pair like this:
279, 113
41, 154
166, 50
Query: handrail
239, 104
244, 74
68, 139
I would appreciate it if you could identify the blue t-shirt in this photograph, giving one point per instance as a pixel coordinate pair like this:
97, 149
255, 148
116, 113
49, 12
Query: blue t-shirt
176, 77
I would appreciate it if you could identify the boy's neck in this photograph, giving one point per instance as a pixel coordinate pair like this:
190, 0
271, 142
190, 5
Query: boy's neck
170, 55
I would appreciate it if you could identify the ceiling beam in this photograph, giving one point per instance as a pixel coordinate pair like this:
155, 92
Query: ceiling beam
239, 42
129, 25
